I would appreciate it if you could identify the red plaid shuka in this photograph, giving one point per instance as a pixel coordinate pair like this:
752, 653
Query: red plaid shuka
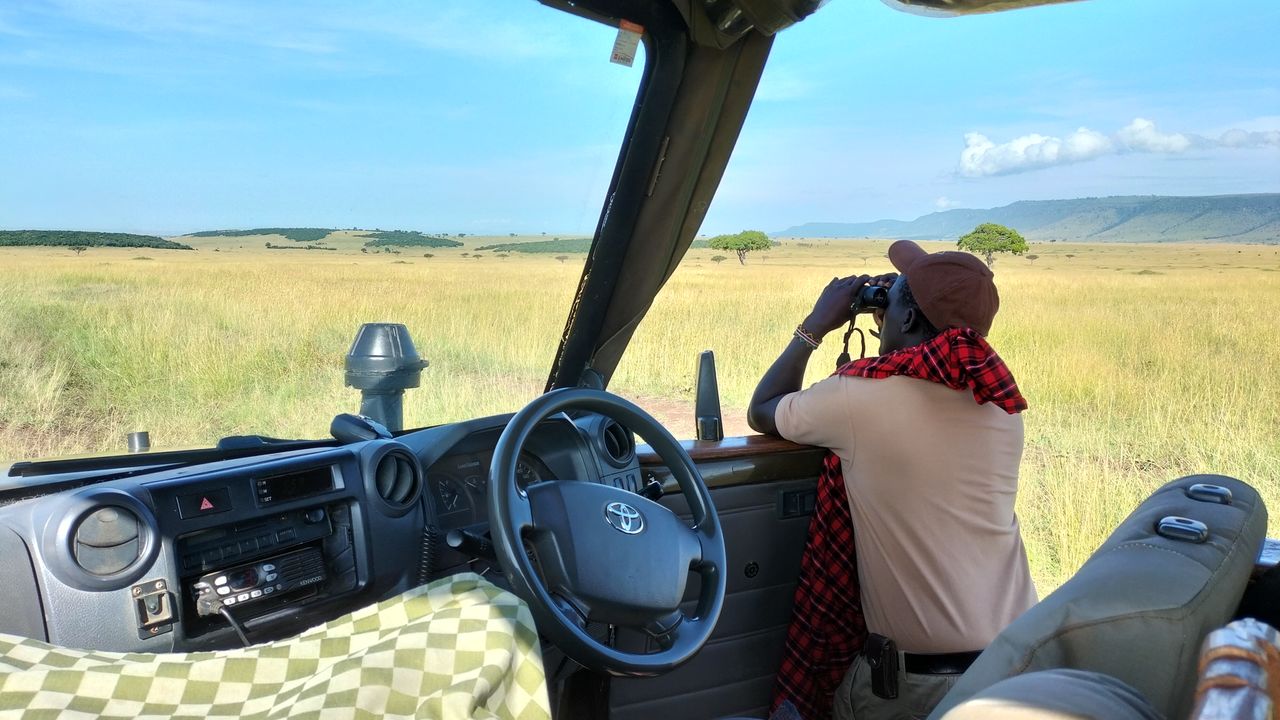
827, 627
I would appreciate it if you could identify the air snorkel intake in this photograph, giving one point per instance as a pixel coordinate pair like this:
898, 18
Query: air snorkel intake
382, 363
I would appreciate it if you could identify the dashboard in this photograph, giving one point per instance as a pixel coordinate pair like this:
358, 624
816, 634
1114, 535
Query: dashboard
160, 556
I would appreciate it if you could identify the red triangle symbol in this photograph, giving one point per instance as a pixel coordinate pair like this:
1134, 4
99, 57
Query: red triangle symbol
205, 504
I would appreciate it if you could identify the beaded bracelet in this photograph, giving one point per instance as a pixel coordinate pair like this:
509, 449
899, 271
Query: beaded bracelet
807, 337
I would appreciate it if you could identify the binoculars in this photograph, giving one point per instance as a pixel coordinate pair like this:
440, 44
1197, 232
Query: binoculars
869, 298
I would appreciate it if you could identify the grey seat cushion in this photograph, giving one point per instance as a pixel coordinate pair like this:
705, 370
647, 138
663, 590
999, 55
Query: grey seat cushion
1058, 693
1140, 606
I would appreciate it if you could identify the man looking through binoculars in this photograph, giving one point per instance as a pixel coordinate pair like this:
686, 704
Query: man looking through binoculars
915, 560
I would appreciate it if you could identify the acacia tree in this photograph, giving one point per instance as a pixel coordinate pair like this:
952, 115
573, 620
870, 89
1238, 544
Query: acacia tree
989, 238
742, 243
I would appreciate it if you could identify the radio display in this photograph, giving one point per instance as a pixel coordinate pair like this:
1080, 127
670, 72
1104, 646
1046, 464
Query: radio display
283, 488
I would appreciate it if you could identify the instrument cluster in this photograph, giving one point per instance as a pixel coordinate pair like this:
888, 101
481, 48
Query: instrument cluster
459, 485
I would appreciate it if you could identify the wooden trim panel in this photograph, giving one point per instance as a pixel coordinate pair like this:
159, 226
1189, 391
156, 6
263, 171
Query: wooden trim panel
726, 449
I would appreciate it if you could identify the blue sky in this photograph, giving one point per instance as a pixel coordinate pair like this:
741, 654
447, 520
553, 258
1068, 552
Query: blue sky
459, 116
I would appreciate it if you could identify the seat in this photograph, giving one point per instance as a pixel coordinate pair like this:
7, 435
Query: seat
1140, 606
1056, 695
458, 648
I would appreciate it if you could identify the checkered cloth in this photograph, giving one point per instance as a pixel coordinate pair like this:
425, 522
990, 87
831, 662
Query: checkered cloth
827, 627
456, 648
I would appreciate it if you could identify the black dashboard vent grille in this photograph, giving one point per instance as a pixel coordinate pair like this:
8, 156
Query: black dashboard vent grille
108, 540
397, 479
618, 444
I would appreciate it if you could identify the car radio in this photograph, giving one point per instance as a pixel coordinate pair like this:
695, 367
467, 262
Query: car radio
230, 545
263, 579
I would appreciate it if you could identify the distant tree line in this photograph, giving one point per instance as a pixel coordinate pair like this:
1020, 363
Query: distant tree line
408, 238
295, 234
558, 245
80, 238
298, 247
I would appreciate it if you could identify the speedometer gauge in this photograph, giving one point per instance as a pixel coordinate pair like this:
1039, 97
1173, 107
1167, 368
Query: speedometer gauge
452, 498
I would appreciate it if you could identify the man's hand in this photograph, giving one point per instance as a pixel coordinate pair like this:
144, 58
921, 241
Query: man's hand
787, 372
832, 309
885, 281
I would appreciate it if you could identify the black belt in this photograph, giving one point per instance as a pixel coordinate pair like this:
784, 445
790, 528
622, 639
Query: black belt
940, 664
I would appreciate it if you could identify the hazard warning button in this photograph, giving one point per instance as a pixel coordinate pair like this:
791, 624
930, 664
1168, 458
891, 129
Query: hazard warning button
204, 503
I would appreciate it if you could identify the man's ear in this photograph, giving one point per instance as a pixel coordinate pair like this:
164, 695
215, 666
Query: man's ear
910, 321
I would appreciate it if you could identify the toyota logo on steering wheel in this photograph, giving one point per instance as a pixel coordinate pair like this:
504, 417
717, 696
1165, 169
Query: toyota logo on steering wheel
624, 518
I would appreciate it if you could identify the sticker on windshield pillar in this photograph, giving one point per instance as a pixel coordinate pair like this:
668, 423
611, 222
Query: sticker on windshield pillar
628, 41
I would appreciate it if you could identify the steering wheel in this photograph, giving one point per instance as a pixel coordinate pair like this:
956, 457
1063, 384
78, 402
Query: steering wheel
604, 554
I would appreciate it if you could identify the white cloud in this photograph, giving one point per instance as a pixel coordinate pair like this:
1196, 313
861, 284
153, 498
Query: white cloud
981, 157
946, 203
1236, 138
1141, 135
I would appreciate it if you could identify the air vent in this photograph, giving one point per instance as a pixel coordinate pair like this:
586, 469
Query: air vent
618, 445
397, 480
99, 539
107, 541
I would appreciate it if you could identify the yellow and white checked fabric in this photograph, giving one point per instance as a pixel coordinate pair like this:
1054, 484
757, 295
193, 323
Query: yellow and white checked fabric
456, 648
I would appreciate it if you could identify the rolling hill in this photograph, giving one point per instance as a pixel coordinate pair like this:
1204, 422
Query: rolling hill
1217, 218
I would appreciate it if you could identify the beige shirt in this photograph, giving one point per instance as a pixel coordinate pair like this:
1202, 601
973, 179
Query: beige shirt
931, 477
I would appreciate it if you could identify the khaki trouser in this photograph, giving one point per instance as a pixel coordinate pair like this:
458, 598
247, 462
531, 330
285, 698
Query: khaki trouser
917, 695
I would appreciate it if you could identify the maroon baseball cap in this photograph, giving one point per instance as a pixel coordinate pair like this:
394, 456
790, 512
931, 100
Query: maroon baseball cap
954, 289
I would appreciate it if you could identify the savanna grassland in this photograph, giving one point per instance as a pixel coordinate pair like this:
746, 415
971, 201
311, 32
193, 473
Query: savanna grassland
1140, 362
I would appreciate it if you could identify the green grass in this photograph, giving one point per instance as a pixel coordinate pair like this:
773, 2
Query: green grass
1133, 379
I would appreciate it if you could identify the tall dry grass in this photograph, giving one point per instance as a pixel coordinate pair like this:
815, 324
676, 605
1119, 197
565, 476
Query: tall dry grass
1141, 363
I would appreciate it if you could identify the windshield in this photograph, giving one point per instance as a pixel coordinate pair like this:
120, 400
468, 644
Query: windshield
283, 173
443, 165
